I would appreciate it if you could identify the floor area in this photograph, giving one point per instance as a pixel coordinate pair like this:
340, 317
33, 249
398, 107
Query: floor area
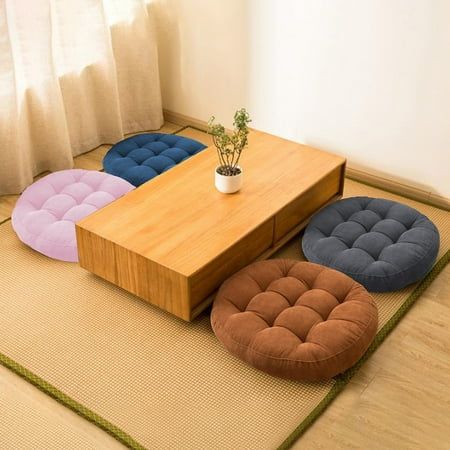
399, 399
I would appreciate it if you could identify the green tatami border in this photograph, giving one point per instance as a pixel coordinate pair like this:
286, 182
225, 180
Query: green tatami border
342, 380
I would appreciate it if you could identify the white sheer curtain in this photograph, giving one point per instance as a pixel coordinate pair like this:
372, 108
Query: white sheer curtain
73, 74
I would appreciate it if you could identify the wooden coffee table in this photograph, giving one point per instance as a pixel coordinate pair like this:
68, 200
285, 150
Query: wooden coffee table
175, 239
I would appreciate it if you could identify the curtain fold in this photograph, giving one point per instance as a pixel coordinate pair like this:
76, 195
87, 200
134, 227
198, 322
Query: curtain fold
74, 74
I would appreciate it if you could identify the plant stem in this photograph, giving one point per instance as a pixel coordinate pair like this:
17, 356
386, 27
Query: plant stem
219, 153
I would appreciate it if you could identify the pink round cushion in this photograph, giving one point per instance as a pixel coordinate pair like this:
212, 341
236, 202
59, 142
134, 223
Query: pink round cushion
45, 214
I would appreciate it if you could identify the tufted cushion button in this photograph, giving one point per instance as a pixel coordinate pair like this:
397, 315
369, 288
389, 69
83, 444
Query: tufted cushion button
294, 319
382, 244
45, 214
140, 158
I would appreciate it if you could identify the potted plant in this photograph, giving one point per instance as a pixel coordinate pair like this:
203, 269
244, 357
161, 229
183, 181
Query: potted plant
228, 174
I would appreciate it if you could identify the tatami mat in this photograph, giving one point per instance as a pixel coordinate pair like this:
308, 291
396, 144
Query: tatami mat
167, 383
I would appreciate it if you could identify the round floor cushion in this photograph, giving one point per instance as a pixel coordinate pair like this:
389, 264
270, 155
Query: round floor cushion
140, 158
382, 244
294, 319
45, 214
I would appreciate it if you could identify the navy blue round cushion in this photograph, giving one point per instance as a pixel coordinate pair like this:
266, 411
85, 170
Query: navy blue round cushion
140, 158
384, 245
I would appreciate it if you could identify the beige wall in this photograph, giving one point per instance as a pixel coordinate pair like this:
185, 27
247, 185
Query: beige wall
203, 55
369, 79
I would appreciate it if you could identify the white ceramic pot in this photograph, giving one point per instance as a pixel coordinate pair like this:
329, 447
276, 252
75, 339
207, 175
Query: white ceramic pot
228, 184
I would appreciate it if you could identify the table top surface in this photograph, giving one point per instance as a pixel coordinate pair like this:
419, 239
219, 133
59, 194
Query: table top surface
180, 220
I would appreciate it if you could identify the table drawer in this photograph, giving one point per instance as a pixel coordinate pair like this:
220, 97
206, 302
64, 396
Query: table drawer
208, 279
307, 203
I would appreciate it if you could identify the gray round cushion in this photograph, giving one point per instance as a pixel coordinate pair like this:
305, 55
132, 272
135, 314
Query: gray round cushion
384, 245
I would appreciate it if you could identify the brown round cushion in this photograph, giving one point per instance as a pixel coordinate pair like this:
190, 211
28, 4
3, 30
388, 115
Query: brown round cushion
294, 319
